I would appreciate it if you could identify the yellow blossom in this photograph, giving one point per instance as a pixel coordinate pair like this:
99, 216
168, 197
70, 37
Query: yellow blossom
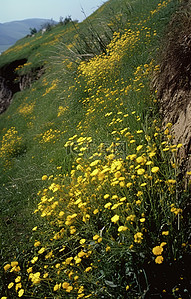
82, 241
154, 169
41, 250
159, 259
18, 279
10, 285
138, 237
128, 185
108, 205
95, 172
115, 218
122, 228
165, 233
157, 250
37, 243
95, 237
57, 287
108, 248
35, 278
20, 293
127, 287
13, 264
88, 269
7, 267
140, 171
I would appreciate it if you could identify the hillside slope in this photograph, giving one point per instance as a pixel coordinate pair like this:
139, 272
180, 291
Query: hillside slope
92, 204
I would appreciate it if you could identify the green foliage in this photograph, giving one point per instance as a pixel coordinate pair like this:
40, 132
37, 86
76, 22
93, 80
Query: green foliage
33, 31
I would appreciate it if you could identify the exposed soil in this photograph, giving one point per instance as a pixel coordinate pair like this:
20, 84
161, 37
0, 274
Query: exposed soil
173, 82
11, 82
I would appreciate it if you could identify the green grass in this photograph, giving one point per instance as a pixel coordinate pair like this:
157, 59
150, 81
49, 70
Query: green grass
107, 102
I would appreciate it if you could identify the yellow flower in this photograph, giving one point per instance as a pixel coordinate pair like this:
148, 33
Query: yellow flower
82, 241
127, 287
95, 237
165, 233
95, 172
18, 279
159, 259
57, 287
122, 228
94, 163
69, 289
140, 146
88, 269
7, 267
13, 264
44, 177
61, 214
35, 258
115, 218
154, 169
108, 205
18, 286
68, 260
179, 145
108, 248
65, 285
41, 250
128, 185
138, 237
140, 159
139, 193
37, 243
78, 260
10, 285
157, 250
20, 293
35, 278
140, 171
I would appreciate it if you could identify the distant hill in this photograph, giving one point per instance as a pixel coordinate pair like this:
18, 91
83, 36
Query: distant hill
10, 32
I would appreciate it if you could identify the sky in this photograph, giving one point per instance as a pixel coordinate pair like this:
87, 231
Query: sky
13, 10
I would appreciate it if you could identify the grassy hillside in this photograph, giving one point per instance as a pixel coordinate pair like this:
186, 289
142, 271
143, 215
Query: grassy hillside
91, 203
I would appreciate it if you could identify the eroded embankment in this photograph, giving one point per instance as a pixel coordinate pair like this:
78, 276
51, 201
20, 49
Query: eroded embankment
11, 82
173, 82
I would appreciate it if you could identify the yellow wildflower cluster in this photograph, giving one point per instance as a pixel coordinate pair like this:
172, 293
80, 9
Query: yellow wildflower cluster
61, 110
10, 145
51, 135
26, 109
52, 87
157, 250
17, 284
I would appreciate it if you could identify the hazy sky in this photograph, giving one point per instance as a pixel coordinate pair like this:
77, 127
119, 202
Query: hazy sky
12, 10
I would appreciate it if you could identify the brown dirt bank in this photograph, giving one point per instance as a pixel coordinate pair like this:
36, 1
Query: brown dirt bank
173, 81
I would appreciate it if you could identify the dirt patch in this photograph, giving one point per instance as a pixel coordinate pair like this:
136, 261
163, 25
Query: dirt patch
11, 82
173, 81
